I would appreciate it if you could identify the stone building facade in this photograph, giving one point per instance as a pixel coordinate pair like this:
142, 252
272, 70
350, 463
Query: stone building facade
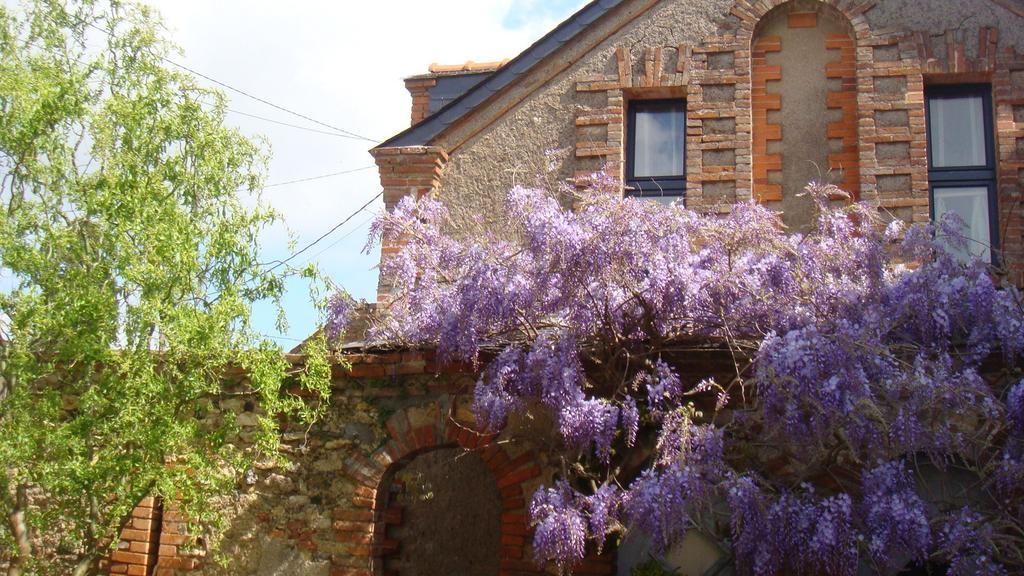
760, 96
774, 94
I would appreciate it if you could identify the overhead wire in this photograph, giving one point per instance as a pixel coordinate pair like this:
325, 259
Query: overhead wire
307, 129
321, 177
339, 240
267, 102
336, 129
323, 236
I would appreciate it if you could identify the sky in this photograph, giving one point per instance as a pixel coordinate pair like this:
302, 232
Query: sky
340, 62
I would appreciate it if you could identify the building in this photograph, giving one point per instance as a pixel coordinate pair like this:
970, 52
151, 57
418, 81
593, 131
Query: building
916, 106
724, 101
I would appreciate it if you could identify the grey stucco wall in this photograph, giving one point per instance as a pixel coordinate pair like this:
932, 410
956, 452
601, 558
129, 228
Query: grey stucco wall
512, 150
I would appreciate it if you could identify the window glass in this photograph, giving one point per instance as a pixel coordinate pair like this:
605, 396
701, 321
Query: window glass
957, 131
663, 200
660, 137
971, 204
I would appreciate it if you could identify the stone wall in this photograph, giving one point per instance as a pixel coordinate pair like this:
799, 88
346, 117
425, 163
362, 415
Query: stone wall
351, 496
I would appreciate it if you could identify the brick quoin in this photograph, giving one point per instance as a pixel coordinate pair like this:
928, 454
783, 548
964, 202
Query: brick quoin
763, 102
138, 549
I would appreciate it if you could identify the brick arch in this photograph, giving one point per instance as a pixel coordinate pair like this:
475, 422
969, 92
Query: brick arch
750, 13
411, 434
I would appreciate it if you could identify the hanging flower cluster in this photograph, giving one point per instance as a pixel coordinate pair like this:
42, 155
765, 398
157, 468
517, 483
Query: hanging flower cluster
854, 349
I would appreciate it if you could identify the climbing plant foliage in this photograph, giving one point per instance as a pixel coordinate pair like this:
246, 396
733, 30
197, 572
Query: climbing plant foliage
785, 393
128, 271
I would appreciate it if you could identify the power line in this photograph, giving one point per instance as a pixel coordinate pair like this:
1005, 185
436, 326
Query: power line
325, 234
247, 94
272, 121
294, 255
267, 102
321, 177
339, 240
288, 338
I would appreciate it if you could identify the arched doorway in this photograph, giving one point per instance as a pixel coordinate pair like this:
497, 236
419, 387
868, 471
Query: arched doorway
444, 511
422, 441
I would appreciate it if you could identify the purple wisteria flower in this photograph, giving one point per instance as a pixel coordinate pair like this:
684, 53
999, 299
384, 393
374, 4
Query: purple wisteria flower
659, 503
856, 341
895, 520
966, 539
603, 508
340, 309
1015, 410
797, 533
664, 389
560, 526
630, 420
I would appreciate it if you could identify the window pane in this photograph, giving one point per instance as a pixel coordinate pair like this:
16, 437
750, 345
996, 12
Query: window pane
664, 200
971, 204
957, 132
660, 136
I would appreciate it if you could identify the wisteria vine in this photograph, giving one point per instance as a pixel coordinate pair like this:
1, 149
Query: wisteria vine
785, 390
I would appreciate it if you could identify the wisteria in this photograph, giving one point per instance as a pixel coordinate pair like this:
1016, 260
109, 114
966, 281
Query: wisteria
561, 528
894, 516
716, 372
340, 308
966, 537
1015, 410
797, 533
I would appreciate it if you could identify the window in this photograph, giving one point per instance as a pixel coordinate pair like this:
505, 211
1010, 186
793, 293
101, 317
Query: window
961, 162
656, 148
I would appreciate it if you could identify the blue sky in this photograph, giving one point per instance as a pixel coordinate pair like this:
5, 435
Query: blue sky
341, 63
523, 12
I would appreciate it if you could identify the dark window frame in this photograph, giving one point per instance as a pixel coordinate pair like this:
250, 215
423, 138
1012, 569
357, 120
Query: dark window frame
653, 186
966, 176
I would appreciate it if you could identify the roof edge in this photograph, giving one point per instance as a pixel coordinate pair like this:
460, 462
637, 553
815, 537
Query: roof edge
434, 125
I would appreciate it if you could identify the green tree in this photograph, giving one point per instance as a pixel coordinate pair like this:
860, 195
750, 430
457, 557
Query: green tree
129, 256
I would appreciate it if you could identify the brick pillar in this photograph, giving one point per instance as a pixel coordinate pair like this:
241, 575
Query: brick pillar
136, 553
419, 88
408, 171
172, 559
1008, 85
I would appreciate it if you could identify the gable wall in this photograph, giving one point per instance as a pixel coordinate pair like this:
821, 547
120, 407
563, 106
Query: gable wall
701, 50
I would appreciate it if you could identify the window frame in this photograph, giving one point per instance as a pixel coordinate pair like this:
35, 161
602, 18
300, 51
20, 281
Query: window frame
673, 186
966, 176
